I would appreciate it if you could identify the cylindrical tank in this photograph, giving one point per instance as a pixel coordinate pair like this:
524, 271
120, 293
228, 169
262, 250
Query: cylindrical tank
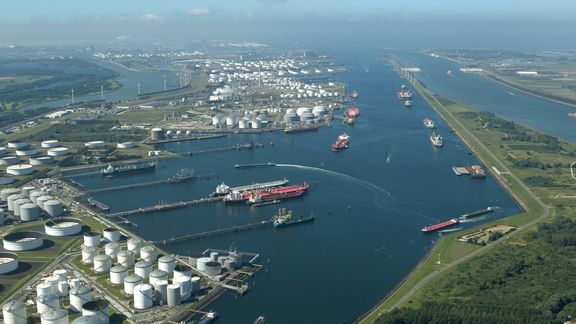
8, 262
63, 227
53, 281
53, 208
157, 275
229, 265
79, 296
111, 249
5, 193
44, 288
231, 121
35, 194
12, 198
130, 282
161, 288
6, 179
88, 254
214, 256
29, 212
182, 270
222, 259
92, 319
41, 160
148, 253
195, 285
202, 263
213, 268
26, 190
20, 169
63, 288
143, 268
243, 123
126, 258
112, 234
126, 145
193, 259
156, 133
134, 244
96, 307
42, 199
23, 241
27, 152
255, 124
91, 239
50, 144
117, 274
102, 263
18, 203
58, 151
54, 316
143, 296
75, 283
94, 144
173, 295
14, 312
46, 302
185, 287
167, 263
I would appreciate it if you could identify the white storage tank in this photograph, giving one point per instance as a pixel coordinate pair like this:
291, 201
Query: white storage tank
173, 295
143, 296
157, 275
117, 274
218, 120
167, 263
88, 254
79, 296
193, 259
126, 145
130, 282
44, 288
42, 199
63, 288
53, 207
6, 179
58, 151
255, 124
148, 253
231, 121
229, 264
102, 263
92, 319
143, 268
41, 160
185, 287
9, 160
195, 285
23, 241
29, 212
54, 316
14, 312
26, 190
5, 193
61, 274
134, 244
12, 198
96, 307
182, 270
94, 144
18, 203
91, 239
161, 288
213, 268
50, 144
17, 144
20, 169
111, 249
26, 152
46, 302
156, 133
63, 227
34, 194
214, 256
112, 234
75, 283
8, 262
126, 258
202, 263
243, 123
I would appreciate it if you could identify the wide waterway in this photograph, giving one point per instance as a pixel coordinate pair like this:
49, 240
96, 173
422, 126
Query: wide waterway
370, 203
479, 92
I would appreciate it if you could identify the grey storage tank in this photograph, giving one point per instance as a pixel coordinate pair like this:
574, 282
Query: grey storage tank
53, 207
173, 292
29, 212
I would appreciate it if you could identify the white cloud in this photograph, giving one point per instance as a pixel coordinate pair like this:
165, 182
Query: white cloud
198, 11
152, 18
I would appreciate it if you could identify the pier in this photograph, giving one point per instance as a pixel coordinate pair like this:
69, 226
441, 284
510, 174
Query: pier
152, 183
217, 232
237, 147
166, 206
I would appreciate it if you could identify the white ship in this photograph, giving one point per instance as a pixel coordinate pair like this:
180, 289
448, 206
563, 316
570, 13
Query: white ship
436, 140
429, 123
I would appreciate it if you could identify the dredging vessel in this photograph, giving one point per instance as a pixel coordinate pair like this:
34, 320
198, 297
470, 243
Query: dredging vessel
284, 218
439, 226
111, 171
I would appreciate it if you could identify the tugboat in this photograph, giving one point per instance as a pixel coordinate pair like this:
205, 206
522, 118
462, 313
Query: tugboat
284, 218
436, 140
341, 143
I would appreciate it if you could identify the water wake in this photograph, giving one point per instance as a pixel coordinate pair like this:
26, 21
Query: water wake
378, 191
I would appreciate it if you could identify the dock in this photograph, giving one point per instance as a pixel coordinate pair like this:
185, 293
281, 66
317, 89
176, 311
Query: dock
256, 165
237, 147
166, 206
234, 229
171, 180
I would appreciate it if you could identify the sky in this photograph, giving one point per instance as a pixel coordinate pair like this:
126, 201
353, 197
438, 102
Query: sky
461, 22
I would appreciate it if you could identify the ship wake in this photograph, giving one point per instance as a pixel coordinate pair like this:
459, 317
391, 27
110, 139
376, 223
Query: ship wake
378, 191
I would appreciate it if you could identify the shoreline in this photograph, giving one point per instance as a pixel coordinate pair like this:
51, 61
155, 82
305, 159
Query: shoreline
445, 242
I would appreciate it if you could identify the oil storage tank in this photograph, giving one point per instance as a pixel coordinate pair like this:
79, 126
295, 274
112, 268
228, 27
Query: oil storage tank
23, 241
143, 268
63, 227
79, 296
8, 262
130, 282
173, 295
54, 316
96, 307
53, 208
102, 263
167, 263
29, 212
117, 274
125, 258
91, 239
143, 296
46, 302
112, 234
14, 312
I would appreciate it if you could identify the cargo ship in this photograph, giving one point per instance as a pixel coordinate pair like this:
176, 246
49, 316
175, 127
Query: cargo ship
341, 143
299, 129
352, 112
222, 189
436, 140
279, 193
439, 226
478, 212
111, 171
429, 123
235, 197
284, 218
475, 171
404, 94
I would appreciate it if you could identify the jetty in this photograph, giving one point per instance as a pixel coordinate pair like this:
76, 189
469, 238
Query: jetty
237, 147
218, 232
170, 180
166, 206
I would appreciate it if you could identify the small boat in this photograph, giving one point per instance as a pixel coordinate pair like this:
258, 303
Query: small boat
436, 140
573, 115
408, 103
354, 94
429, 123
341, 143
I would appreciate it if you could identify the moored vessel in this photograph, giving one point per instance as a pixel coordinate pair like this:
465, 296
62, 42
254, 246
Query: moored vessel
352, 112
279, 193
111, 171
478, 212
475, 171
284, 218
439, 226
222, 189
299, 129
341, 142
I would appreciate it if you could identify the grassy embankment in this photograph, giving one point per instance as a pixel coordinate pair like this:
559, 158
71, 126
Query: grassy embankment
525, 156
